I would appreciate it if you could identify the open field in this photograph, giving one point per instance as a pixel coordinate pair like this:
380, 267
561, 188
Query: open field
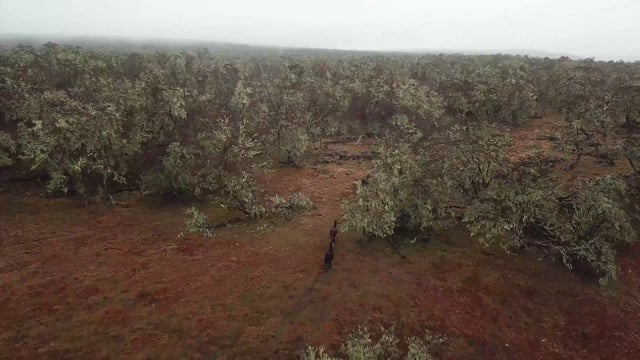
95, 282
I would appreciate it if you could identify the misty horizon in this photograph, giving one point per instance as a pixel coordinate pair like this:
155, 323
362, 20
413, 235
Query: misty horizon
572, 28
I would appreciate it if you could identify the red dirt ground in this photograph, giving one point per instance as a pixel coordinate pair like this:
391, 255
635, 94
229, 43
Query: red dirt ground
98, 283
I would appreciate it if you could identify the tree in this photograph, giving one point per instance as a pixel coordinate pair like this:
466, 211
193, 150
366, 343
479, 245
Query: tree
631, 150
588, 129
476, 156
586, 226
7, 150
418, 103
400, 194
324, 101
82, 147
207, 164
415, 183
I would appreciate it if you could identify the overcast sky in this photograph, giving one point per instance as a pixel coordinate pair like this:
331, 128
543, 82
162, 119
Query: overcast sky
606, 29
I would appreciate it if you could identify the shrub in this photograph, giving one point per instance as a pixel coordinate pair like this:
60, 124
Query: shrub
476, 157
196, 222
295, 148
423, 348
242, 195
315, 353
513, 205
181, 174
361, 344
400, 194
7, 150
598, 225
285, 208
586, 226
207, 164
78, 143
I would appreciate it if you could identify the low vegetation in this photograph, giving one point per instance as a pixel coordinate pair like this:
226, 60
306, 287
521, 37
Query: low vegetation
197, 222
287, 207
383, 344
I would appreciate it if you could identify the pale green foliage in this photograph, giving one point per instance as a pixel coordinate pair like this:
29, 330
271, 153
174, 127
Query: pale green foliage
588, 128
325, 103
598, 225
315, 353
204, 166
513, 205
242, 194
196, 222
286, 208
280, 103
418, 102
180, 173
74, 141
58, 182
503, 91
89, 120
295, 147
520, 199
361, 345
7, 150
504, 214
298, 112
422, 348
587, 226
574, 138
475, 157
373, 211
391, 200
483, 88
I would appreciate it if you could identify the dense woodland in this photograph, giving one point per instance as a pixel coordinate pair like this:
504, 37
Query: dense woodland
195, 124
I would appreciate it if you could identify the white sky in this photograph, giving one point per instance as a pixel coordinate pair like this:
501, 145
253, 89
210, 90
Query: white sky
606, 29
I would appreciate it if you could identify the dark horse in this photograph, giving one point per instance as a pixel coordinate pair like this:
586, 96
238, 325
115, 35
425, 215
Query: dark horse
333, 233
328, 257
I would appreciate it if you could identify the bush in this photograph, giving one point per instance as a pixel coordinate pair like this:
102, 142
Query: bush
242, 195
587, 226
207, 164
286, 208
196, 222
295, 149
422, 348
315, 353
597, 226
476, 158
7, 150
513, 205
182, 174
385, 345
400, 194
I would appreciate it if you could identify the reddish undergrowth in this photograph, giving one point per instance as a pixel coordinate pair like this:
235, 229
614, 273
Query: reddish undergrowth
98, 283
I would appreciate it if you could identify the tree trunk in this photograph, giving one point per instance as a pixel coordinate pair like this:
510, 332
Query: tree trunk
633, 166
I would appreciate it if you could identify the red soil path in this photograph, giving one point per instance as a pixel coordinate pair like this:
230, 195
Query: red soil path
97, 283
